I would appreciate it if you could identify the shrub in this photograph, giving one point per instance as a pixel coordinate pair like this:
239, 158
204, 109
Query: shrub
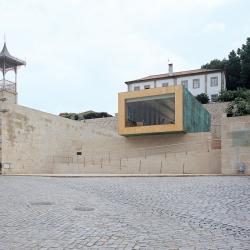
85, 115
202, 98
68, 115
92, 114
231, 95
238, 107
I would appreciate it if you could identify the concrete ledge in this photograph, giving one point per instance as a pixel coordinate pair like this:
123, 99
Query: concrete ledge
121, 175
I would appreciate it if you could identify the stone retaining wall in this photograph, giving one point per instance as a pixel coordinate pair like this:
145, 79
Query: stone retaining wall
34, 142
37, 142
235, 144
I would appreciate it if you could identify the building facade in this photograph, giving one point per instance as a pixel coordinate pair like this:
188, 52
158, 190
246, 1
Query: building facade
209, 81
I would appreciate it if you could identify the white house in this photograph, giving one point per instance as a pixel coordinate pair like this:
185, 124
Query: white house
209, 81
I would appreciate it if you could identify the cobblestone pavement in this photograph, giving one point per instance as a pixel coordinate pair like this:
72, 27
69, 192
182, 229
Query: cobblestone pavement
125, 213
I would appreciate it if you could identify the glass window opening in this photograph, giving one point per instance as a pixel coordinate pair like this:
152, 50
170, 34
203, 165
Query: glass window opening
196, 83
214, 81
151, 110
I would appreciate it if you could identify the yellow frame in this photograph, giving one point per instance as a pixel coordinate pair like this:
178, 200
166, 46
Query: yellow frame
153, 129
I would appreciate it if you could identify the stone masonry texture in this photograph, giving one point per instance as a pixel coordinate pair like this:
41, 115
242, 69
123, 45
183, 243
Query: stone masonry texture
125, 213
34, 142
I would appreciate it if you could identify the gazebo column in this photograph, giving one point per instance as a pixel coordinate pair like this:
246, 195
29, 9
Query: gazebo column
15, 70
4, 74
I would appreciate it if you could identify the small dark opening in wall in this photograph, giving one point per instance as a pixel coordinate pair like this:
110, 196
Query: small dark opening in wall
78, 153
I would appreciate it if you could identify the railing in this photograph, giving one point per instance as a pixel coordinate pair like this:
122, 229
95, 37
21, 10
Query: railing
163, 151
7, 85
177, 158
172, 158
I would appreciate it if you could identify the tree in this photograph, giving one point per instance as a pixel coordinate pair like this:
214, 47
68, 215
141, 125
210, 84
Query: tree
244, 54
215, 64
236, 67
233, 69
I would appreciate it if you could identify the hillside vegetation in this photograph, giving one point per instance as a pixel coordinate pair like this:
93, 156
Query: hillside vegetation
85, 115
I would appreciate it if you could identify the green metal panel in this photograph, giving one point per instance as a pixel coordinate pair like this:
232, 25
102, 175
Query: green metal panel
195, 117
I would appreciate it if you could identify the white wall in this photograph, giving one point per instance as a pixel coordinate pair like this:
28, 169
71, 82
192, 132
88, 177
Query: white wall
213, 90
171, 81
190, 83
141, 85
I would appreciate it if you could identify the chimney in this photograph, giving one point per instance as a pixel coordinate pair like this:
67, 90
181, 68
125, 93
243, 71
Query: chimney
170, 68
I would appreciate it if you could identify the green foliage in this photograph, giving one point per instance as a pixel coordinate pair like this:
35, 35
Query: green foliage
244, 54
215, 64
239, 101
68, 115
231, 95
233, 68
236, 67
85, 115
92, 115
239, 107
202, 98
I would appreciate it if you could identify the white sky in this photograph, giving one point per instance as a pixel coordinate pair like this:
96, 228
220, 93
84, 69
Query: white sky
79, 53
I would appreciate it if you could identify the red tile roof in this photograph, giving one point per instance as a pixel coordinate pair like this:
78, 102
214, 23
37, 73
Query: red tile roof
174, 74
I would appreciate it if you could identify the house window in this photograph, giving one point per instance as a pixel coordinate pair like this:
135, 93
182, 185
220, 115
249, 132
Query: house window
147, 87
214, 81
185, 83
214, 97
164, 84
196, 83
136, 88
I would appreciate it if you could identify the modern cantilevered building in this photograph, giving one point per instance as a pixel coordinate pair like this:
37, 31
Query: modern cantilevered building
165, 103
171, 109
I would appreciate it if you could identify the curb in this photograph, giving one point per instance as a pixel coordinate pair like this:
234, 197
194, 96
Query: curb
122, 175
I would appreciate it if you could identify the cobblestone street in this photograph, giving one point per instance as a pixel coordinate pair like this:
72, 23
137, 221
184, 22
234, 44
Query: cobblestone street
125, 213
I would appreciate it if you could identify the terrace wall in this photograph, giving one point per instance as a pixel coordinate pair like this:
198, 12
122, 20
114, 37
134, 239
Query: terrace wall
35, 142
235, 144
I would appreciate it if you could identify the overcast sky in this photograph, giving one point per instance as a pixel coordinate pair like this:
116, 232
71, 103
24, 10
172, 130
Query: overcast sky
80, 52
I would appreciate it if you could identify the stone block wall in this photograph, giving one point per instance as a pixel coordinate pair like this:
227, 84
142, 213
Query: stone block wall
8, 97
35, 142
217, 110
235, 144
